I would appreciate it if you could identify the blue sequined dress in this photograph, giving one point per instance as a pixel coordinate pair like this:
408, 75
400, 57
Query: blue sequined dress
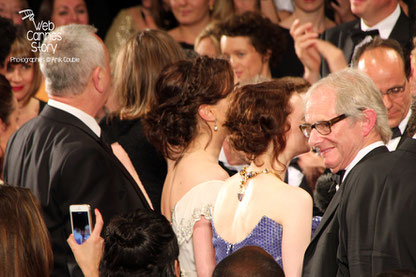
267, 234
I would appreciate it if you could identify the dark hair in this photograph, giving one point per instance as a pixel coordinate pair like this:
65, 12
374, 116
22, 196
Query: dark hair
172, 122
45, 11
8, 35
301, 86
258, 116
378, 42
264, 35
249, 261
25, 248
141, 243
6, 100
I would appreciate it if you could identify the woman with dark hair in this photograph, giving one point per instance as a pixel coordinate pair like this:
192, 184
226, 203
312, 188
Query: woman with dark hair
140, 243
185, 125
23, 72
156, 255
255, 207
8, 117
253, 45
138, 65
25, 248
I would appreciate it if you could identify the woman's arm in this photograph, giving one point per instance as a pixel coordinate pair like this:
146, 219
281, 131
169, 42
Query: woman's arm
203, 249
297, 228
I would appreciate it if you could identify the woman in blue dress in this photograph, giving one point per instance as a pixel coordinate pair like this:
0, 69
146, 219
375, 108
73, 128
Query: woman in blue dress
255, 207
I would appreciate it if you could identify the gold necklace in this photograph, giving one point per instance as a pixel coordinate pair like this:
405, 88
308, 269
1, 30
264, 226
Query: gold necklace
245, 176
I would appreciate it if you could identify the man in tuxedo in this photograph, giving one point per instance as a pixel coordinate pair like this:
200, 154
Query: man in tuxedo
346, 121
384, 18
376, 216
389, 68
59, 155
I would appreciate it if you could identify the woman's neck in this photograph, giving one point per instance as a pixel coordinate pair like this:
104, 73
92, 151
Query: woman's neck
317, 18
209, 146
267, 161
188, 33
27, 110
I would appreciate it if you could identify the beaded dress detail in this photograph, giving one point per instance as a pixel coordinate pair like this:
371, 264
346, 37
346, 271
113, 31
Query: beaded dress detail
267, 234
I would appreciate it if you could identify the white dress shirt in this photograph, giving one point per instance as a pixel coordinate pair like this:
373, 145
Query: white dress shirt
385, 26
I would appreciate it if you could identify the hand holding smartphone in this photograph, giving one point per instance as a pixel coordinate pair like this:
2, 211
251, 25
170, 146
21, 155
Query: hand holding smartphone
81, 222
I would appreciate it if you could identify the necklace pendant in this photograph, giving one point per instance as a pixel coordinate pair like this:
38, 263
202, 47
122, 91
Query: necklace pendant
240, 196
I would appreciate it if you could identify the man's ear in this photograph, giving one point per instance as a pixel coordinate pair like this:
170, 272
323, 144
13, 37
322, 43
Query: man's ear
98, 78
206, 113
369, 121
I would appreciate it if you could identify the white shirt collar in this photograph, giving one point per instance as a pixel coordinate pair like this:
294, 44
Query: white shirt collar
361, 155
403, 124
385, 26
393, 143
84, 117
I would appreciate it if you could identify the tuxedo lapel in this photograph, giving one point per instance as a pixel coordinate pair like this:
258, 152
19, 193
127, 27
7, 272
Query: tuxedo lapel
328, 215
409, 145
402, 30
333, 205
349, 43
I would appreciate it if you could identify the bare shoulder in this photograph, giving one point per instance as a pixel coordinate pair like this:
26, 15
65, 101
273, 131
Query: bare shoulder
298, 194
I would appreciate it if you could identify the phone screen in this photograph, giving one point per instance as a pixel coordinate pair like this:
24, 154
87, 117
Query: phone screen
82, 230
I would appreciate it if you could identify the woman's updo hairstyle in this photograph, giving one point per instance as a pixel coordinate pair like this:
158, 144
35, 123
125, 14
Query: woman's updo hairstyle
172, 122
258, 116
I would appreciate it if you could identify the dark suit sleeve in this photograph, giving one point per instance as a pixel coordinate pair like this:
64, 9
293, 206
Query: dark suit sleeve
377, 222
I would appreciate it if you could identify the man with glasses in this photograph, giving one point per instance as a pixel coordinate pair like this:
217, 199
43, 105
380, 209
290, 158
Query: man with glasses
384, 62
346, 121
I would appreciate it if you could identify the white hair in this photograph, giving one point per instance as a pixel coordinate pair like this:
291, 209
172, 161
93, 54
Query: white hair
73, 52
355, 92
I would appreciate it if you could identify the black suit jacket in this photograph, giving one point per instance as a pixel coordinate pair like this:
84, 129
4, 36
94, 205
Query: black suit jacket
63, 162
340, 35
377, 216
320, 256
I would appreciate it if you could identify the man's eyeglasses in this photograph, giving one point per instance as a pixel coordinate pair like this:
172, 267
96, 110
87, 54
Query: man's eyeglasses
322, 127
395, 91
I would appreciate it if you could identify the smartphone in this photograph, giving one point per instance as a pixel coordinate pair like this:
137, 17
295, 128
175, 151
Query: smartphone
81, 222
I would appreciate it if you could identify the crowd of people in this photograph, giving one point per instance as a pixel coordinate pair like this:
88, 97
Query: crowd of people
210, 137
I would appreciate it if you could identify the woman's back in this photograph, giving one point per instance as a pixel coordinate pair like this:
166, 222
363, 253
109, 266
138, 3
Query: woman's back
270, 215
193, 169
265, 195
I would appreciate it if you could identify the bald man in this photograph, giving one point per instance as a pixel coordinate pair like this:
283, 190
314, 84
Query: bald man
385, 63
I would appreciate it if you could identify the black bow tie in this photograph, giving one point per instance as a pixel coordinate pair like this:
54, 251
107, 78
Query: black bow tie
340, 175
396, 132
357, 36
